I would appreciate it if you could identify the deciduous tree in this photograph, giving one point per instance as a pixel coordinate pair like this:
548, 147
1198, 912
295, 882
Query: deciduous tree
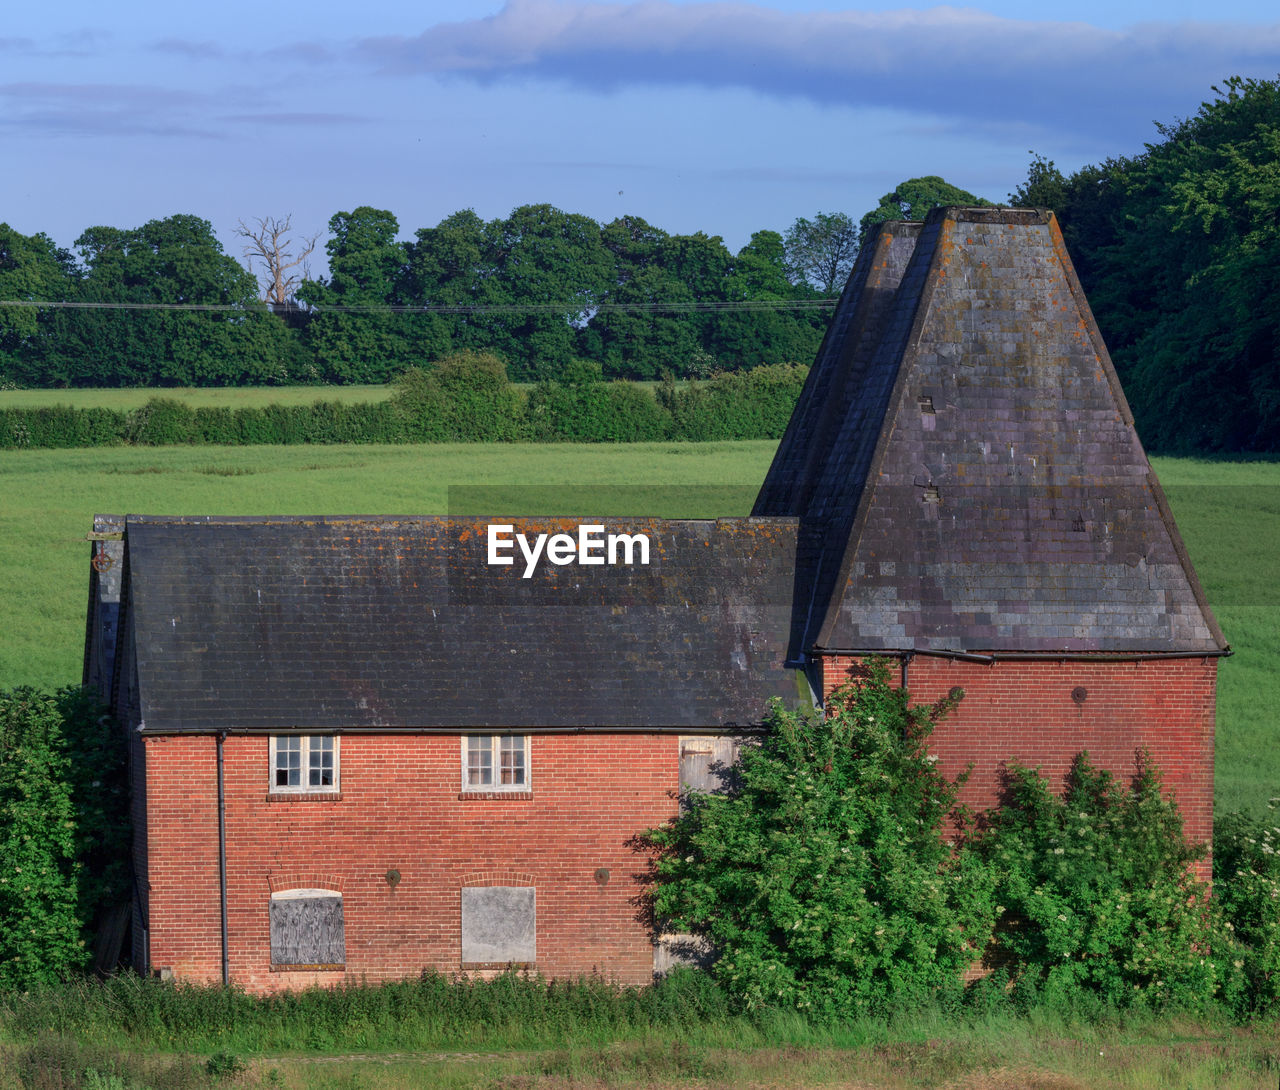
821, 251
913, 200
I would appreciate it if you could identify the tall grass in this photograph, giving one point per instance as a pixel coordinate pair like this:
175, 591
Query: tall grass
522, 1032
427, 1013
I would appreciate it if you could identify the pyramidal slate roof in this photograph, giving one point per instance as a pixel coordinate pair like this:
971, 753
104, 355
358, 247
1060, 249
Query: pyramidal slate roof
977, 485
376, 622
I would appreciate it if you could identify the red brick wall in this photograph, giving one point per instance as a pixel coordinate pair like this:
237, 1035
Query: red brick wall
400, 809
1023, 711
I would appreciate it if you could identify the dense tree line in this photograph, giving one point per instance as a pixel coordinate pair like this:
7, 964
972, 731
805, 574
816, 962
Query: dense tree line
541, 287
1178, 250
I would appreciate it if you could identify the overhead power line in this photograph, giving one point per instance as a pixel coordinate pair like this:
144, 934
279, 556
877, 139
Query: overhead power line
485, 308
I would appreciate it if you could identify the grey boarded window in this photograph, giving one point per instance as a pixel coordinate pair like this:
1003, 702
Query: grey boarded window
499, 925
307, 928
706, 763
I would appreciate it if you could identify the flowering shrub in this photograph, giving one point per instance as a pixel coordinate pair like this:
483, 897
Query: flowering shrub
1096, 897
1246, 887
822, 878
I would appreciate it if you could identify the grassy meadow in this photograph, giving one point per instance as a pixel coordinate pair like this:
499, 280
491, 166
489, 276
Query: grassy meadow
214, 397
1229, 514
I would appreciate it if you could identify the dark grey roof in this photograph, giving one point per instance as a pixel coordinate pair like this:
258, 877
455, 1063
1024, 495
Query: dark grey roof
838, 377
984, 488
274, 623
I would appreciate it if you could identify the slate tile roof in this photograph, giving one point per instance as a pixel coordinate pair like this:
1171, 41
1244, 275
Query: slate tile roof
273, 623
983, 488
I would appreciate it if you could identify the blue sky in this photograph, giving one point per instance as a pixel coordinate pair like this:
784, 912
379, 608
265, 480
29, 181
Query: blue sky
723, 117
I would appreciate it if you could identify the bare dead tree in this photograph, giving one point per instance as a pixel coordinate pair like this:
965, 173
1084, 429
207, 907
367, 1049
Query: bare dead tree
272, 247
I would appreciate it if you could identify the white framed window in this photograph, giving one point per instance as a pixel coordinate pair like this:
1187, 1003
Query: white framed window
304, 763
495, 762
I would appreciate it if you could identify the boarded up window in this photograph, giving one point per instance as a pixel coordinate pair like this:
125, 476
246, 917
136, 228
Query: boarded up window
706, 764
307, 929
672, 950
499, 925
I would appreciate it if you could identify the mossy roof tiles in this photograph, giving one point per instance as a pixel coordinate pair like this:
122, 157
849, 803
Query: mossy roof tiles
400, 622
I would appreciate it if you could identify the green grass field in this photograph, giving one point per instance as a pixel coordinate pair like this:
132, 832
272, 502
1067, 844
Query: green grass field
227, 397
1229, 514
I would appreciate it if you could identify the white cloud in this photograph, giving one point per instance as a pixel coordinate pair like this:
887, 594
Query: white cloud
956, 62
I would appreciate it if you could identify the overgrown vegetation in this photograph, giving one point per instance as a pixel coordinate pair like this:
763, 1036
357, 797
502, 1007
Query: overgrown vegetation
40, 935
64, 832
430, 1011
822, 876
1098, 903
1246, 886
826, 882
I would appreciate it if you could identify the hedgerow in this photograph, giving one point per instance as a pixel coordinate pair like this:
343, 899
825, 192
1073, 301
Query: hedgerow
581, 407
465, 397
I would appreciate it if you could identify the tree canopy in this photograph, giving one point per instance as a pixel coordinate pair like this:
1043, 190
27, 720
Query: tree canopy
914, 199
821, 251
1178, 249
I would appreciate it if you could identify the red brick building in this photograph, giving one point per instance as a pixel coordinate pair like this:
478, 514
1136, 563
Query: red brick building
362, 747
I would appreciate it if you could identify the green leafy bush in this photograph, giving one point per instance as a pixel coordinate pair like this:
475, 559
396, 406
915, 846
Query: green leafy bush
755, 404
39, 928
1246, 888
217, 425
580, 407
162, 421
1097, 898
97, 776
465, 397
823, 878
57, 426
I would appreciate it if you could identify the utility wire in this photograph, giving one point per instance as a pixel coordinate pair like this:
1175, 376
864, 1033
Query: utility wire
485, 308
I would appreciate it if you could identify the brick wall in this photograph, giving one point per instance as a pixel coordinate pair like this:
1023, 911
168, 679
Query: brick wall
1024, 711
400, 809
